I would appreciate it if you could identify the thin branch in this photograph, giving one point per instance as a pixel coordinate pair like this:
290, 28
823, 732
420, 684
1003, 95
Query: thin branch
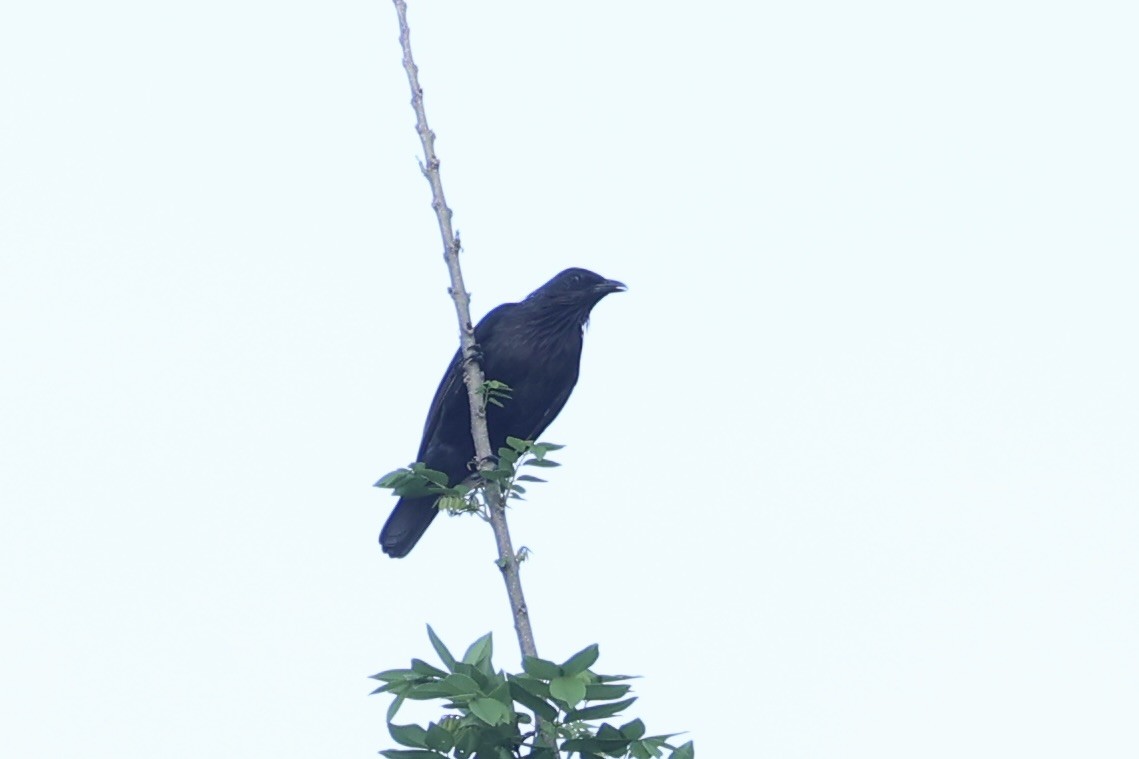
472, 371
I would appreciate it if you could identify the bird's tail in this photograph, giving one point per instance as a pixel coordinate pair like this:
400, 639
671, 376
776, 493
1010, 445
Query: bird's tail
409, 520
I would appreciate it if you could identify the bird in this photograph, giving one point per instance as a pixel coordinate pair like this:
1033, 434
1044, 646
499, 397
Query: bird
534, 347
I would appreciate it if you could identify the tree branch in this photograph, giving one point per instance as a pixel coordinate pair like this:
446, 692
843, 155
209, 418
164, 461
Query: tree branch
472, 371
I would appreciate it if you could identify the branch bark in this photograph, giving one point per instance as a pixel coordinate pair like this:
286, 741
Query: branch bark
472, 371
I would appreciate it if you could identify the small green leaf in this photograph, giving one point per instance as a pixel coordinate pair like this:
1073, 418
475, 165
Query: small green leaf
439, 738
408, 735
444, 654
540, 668
391, 478
479, 651
601, 711
581, 661
576, 744
529, 478
486, 669
501, 694
543, 752
473, 672
571, 690
427, 691
642, 750
545, 463
687, 751
423, 668
660, 740
439, 478
537, 687
397, 702
490, 711
592, 747
451, 504
459, 685
603, 692
415, 481
517, 444
615, 678
539, 706
467, 740
633, 730
399, 687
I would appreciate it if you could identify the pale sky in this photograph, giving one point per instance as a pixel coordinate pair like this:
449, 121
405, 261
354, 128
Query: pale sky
852, 468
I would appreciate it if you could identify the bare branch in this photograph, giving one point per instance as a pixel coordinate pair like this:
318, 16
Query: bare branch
472, 371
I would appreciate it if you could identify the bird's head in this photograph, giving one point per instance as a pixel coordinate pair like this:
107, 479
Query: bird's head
572, 294
576, 286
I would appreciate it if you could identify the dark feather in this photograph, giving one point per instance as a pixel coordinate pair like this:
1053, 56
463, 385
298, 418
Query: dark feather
534, 347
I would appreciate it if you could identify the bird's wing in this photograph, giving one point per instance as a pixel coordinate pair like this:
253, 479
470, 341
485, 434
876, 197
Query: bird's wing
452, 381
551, 411
452, 377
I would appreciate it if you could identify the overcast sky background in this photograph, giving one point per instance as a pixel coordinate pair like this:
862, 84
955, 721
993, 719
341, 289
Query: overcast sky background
852, 468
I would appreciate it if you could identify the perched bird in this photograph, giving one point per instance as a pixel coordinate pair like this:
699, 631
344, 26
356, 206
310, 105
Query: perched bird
535, 348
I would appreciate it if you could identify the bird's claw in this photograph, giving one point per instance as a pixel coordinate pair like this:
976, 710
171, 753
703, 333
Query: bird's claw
474, 353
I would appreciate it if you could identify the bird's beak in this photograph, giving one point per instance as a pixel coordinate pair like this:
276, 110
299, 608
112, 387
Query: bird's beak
610, 286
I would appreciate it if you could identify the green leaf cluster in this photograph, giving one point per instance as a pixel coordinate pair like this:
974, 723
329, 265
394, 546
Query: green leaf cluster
490, 710
494, 393
518, 453
418, 480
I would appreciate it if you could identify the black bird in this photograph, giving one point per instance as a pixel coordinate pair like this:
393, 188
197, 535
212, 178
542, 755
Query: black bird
535, 348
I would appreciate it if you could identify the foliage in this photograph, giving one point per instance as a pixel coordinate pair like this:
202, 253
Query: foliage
546, 711
494, 392
490, 711
418, 480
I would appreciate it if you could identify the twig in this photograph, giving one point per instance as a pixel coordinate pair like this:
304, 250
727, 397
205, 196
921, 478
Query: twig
472, 371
